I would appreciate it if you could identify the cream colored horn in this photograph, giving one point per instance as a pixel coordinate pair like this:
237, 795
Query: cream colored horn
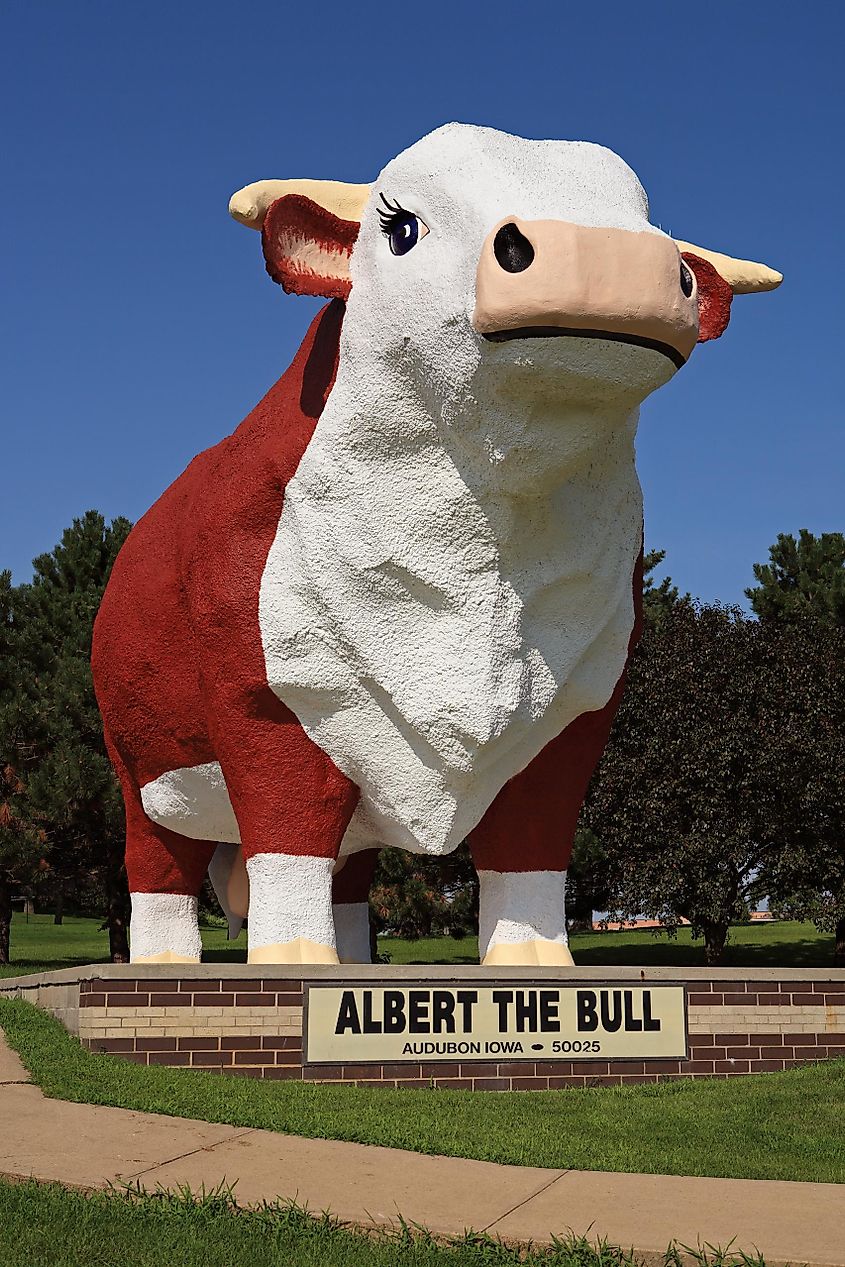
743, 276
249, 205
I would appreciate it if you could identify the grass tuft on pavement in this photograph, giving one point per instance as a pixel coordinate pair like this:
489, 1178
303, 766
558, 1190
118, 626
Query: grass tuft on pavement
44, 1225
766, 1126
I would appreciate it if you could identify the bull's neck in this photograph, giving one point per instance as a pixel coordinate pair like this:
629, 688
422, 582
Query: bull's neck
494, 483
552, 463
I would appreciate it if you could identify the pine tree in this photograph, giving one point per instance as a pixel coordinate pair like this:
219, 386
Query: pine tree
802, 578
658, 599
20, 843
69, 793
415, 896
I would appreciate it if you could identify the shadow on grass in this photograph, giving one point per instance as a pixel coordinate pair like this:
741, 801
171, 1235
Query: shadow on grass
661, 951
24, 967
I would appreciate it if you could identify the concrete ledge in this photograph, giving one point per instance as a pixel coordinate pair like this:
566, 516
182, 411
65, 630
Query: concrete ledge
379, 972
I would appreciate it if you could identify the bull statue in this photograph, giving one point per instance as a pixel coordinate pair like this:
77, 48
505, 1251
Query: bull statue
395, 606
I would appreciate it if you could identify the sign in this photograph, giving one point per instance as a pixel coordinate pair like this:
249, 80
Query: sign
360, 1023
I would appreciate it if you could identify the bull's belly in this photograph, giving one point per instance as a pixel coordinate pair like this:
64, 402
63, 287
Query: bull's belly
423, 787
413, 797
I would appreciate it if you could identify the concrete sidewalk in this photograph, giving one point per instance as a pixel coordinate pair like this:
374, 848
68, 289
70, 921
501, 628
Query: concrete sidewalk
90, 1146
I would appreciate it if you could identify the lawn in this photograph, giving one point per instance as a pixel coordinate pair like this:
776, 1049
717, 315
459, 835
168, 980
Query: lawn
44, 1225
768, 1126
38, 945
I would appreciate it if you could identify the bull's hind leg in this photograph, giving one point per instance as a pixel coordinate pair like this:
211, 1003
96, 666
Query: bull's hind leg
350, 903
165, 873
293, 807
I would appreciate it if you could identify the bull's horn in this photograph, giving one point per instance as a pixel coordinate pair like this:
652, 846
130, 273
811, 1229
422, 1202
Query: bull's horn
743, 276
249, 205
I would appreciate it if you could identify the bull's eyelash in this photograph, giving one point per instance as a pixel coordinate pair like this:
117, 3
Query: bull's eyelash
391, 215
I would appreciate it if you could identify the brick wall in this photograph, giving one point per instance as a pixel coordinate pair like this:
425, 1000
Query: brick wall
251, 1024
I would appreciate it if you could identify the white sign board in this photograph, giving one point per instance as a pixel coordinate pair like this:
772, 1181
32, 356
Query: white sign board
361, 1023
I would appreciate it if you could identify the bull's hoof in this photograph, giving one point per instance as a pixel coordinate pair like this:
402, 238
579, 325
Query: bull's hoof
300, 951
528, 954
164, 956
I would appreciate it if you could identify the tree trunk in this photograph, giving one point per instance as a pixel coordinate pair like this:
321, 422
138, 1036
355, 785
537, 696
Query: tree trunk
373, 937
715, 936
581, 924
5, 919
59, 907
117, 904
839, 945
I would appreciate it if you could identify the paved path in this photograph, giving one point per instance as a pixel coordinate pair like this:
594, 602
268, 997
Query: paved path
90, 1146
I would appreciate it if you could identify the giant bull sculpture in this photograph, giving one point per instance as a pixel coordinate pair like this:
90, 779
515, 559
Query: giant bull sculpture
395, 606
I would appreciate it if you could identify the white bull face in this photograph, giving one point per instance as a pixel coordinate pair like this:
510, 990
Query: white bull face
427, 248
489, 275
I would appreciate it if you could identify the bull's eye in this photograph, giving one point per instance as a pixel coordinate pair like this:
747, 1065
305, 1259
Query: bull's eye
403, 234
402, 228
686, 280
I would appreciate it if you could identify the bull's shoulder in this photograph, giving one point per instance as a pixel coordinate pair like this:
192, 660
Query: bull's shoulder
247, 473
229, 498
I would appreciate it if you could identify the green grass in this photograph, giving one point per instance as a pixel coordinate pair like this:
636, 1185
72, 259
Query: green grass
44, 1225
776, 945
38, 945
769, 1126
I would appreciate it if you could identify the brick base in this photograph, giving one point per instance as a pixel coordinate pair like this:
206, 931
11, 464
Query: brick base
248, 1022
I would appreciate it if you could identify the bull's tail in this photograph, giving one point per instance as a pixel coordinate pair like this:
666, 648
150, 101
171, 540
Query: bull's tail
229, 879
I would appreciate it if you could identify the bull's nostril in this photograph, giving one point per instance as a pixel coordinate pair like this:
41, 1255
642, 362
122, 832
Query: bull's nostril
512, 249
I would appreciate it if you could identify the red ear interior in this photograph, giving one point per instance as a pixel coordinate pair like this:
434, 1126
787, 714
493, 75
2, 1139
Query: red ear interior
714, 298
307, 248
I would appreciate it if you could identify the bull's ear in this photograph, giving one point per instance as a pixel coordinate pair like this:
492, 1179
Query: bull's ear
308, 229
714, 297
719, 278
307, 249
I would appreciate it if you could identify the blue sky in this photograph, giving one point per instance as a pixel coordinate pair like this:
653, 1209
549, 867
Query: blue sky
139, 326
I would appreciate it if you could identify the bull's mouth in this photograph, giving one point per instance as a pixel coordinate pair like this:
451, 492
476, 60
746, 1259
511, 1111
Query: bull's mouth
614, 336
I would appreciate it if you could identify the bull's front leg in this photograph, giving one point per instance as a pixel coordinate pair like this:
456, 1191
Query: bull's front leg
522, 847
293, 807
522, 919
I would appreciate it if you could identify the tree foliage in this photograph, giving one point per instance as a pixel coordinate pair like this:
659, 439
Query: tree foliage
51, 741
20, 842
658, 600
722, 782
589, 880
677, 796
806, 878
802, 578
415, 896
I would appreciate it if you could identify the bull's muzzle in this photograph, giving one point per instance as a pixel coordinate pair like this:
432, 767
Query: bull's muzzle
544, 278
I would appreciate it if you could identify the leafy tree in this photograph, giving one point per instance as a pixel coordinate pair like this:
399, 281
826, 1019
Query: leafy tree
803, 744
69, 795
802, 578
679, 795
722, 781
588, 880
801, 592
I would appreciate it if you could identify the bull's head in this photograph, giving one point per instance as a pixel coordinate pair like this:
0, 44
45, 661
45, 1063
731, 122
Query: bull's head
475, 250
